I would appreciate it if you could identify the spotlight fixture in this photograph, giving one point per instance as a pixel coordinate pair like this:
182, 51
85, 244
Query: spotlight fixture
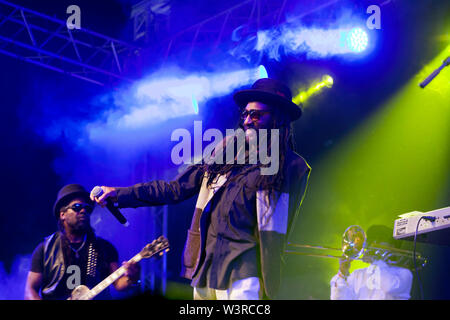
326, 82
195, 104
262, 72
357, 40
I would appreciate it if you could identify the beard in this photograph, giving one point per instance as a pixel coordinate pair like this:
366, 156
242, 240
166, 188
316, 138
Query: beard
80, 226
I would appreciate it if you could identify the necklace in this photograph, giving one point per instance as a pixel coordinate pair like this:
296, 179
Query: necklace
77, 255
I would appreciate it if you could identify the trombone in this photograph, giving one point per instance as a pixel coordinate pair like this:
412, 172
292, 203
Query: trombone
354, 247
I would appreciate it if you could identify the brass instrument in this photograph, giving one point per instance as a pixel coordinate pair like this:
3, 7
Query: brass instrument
354, 247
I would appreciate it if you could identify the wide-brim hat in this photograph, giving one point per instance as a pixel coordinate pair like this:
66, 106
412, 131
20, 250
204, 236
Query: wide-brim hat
68, 192
271, 92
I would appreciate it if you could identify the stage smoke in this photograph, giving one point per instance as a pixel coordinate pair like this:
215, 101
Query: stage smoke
12, 284
346, 36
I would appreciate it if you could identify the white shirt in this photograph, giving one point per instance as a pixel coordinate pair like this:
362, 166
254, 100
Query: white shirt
379, 281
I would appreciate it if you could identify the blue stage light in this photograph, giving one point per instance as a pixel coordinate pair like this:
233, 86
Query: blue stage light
195, 104
262, 72
357, 40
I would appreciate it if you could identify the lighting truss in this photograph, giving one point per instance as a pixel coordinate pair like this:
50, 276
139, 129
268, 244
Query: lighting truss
249, 16
212, 31
47, 42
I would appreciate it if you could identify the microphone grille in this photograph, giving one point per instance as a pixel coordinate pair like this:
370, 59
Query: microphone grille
97, 191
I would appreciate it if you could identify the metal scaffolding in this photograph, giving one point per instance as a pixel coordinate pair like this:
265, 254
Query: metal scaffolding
46, 41
154, 272
151, 20
218, 32
250, 15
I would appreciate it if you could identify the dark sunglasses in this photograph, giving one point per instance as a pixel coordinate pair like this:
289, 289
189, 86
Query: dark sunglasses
77, 207
254, 114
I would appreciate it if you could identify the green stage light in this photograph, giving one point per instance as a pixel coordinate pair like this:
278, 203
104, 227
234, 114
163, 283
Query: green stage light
394, 162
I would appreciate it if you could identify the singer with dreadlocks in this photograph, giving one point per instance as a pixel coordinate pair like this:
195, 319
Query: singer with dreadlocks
245, 211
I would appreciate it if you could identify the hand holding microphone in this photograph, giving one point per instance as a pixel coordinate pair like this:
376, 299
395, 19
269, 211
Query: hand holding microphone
103, 196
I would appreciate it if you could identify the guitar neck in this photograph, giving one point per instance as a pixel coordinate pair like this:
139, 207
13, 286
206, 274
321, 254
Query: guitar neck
111, 278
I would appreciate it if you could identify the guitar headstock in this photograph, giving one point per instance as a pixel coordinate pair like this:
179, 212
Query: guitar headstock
156, 246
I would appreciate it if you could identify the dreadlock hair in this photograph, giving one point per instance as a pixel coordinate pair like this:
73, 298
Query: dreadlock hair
263, 182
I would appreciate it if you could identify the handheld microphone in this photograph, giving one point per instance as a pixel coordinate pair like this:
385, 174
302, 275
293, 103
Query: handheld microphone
97, 192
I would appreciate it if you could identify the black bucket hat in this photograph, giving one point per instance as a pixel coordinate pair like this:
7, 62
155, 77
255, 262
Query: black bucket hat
68, 192
271, 92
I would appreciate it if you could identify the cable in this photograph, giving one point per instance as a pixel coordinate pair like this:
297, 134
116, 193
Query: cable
414, 259
428, 218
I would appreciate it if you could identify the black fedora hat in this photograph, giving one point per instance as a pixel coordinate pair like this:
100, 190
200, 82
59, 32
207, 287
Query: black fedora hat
271, 92
68, 192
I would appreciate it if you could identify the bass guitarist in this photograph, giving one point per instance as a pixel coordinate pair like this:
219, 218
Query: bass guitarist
74, 255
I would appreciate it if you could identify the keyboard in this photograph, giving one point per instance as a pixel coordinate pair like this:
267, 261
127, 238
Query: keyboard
434, 227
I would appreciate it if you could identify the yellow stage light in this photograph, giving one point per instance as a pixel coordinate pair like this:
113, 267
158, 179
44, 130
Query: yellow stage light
326, 82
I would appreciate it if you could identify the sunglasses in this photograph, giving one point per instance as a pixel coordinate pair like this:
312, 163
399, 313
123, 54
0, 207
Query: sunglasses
77, 207
254, 114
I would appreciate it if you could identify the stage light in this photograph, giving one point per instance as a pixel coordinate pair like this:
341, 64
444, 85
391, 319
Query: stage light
314, 42
326, 82
195, 104
357, 40
262, 72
